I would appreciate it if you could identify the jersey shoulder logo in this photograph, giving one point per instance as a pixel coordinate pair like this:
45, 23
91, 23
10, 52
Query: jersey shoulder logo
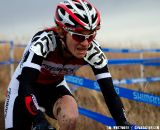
42, 43
95, 56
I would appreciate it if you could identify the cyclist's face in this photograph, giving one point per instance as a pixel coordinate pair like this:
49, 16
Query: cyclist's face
78, 44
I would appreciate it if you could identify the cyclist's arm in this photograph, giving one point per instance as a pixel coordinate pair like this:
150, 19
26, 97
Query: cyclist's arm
112, 100
37, 50
97, 60
27, 78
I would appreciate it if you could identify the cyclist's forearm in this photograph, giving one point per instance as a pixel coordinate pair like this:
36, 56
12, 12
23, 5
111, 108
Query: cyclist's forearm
112, 100
27, 80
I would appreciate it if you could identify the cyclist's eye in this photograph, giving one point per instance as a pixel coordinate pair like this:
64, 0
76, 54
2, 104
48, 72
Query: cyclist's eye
78, 38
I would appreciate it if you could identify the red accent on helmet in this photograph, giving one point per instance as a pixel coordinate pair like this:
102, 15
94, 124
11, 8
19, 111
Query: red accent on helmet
77, 15
72, 14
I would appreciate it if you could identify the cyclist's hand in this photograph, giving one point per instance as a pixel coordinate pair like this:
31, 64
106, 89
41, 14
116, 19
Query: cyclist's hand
40, 123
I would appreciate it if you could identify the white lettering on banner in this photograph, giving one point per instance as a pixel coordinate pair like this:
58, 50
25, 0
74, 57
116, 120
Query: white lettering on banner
146, 98
117, 90
96, 86
75, 80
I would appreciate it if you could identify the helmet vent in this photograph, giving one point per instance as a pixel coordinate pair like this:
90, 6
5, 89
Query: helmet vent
62, 11
84, 19
89, 6
69, 6
79, 7
94, 18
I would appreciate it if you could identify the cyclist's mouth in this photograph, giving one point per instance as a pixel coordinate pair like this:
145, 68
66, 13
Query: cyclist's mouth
82, 50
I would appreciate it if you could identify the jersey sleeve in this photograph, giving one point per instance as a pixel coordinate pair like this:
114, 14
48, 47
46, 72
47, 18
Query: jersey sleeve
42, 43
95, 57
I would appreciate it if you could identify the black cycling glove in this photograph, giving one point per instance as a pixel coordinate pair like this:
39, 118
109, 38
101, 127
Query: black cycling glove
40, 122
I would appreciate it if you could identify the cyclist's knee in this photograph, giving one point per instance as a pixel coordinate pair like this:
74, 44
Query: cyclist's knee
68, 121
66, 112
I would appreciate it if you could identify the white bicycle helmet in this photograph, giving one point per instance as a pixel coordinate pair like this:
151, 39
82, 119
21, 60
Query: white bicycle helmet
77, 15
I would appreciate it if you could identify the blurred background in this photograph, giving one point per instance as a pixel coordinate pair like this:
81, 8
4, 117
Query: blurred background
131, 24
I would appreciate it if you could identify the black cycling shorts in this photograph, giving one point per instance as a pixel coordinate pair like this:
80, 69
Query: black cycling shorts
48, 95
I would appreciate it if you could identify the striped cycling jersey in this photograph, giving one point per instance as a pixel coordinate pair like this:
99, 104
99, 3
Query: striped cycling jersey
47, 45
44, 62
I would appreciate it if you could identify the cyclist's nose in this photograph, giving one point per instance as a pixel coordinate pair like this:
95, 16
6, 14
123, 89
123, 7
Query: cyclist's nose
85, 43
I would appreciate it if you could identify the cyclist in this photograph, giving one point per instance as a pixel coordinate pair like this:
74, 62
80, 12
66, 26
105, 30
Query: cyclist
38, 84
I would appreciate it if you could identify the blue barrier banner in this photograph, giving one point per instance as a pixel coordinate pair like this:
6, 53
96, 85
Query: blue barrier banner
98, 117
152, 64
103, 119
122, 92
138, 96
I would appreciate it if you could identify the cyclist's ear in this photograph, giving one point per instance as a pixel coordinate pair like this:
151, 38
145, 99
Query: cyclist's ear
61, 31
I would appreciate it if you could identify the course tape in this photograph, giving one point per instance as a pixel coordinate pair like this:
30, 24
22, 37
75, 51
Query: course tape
116, 50
122, 92
20, 46
144, 61
124, 50
136, 80
129, 50
112, 49
101, 118
7, 62
4, 42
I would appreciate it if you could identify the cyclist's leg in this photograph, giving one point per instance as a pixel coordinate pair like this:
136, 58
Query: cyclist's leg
54, 95
65, 109
16, 115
